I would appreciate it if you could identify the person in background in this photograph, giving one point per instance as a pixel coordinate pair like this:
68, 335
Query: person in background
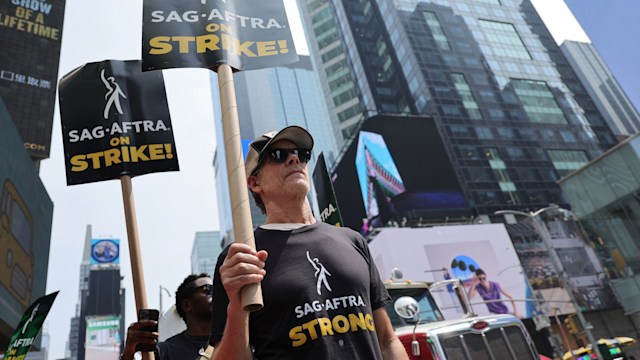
490, 291
193, 303
323, 297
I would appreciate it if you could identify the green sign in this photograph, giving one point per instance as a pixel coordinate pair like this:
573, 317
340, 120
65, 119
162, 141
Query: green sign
29, 327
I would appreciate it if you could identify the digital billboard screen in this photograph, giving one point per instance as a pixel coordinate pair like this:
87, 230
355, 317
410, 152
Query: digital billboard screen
30, 35
458, 252
397, 167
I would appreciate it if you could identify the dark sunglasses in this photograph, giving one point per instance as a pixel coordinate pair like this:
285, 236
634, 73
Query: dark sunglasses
206, 288
481, 278
281, 155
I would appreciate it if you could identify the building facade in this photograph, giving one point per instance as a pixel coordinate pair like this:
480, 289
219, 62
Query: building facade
513, 114
605, 195
609, 97
207, 246
101, 300
271, 99
26, 213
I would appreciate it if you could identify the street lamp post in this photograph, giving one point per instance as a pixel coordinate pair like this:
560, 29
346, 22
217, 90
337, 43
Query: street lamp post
168, 293
546, 239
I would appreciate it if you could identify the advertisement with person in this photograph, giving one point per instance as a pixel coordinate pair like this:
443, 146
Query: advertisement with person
403, 170
245, 34
115, 121
481, 256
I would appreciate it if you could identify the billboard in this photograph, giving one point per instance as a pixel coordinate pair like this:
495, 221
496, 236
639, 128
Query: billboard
26, 214
30, 33
105, 251
397, 167
102, 341
444, 252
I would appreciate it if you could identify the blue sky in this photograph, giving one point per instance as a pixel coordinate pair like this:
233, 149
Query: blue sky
613, 27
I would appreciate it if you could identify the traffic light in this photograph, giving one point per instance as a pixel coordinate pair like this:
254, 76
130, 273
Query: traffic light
572, 326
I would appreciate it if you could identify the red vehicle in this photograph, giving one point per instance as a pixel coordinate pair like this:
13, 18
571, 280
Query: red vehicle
426, 335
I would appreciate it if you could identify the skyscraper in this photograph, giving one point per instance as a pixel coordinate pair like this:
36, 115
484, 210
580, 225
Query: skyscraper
271, 99
609, 97
205, 251
513, 115
101, 300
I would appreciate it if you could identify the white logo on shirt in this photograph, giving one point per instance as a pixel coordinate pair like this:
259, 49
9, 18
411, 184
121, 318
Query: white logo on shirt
321, 274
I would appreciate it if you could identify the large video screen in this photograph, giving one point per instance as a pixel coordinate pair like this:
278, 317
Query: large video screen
30, 36
397, 167
458, 252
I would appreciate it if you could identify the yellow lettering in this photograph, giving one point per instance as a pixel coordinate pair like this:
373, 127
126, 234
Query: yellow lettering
207, 42
298, 338
40, 18
79, 163
310, 326
111, 157
243, 48
369, 320
267, 48
160, 45
340, 324
325, 326
137, 153
156, 152
357, 322
183, 42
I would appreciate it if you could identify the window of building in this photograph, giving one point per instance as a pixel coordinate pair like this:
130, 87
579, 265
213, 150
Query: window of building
493, 2
436, 30
504, 39
468, 101
567, 161
499, 167
484, 133
538, 101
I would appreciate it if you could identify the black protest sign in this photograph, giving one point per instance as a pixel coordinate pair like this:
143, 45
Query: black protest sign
327, 202
245, 34
29, 327
115, 122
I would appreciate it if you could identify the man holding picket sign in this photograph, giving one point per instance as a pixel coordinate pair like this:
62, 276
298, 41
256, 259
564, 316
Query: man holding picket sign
323, 296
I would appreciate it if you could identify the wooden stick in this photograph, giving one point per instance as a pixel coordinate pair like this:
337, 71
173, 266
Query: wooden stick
241, 213
137, 274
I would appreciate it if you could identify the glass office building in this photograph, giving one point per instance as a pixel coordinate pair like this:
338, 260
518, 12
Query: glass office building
205, 251
615, 106
605, 195
514, 116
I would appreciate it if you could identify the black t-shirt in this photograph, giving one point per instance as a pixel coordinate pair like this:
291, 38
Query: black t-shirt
319, 295
180, 347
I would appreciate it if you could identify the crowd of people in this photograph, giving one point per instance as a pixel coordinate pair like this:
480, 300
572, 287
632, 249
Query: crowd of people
298, 261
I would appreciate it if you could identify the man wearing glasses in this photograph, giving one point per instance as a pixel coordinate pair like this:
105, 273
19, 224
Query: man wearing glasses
323, 297
193, 303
